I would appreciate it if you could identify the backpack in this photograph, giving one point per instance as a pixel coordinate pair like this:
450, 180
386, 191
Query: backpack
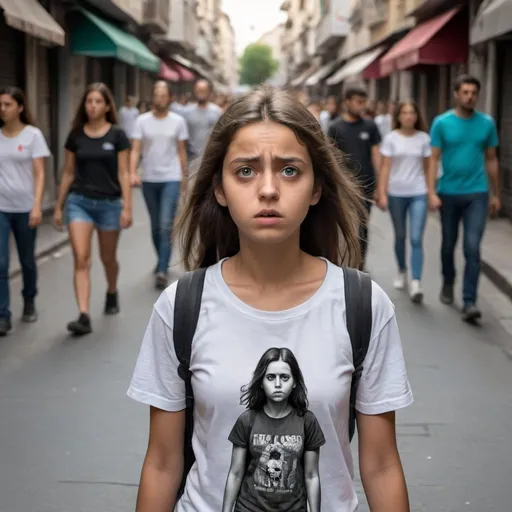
187, 305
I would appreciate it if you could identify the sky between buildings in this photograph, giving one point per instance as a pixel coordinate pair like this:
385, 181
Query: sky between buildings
252, 18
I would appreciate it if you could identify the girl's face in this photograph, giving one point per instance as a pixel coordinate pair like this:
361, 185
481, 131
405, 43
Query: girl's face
9, 109
408, 117
278, 382
95, 106
268, 183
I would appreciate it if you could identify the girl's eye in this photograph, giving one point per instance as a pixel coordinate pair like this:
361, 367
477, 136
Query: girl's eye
285, 377
290, 172
270, 377
245, 172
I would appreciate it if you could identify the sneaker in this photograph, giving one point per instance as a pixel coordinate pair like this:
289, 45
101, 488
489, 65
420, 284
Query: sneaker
399, 282
446, 296
161, 281
470, 313
5, 326
80, 326
111, 304
416, 292
29, 312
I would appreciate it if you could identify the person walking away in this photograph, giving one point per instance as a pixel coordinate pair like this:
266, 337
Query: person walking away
271, 217
333, 107
128, 115
96, 175
402, 187
23, 150
358, 138
465, 140
161, 136
201, 117
384, 117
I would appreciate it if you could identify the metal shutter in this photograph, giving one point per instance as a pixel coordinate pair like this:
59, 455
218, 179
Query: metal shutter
11, 48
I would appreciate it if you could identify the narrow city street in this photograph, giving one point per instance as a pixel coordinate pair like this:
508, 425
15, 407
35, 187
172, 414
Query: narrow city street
71, 441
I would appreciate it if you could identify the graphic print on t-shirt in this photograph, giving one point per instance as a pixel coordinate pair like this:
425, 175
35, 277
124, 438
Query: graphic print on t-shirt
271, 438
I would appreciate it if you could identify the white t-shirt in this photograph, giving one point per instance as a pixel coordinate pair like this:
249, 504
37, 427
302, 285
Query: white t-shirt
16, 168
160, 137
407, 175
230, 339
384, 123
127, 118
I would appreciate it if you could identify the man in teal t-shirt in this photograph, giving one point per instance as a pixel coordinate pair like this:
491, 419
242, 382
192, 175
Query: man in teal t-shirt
466, 142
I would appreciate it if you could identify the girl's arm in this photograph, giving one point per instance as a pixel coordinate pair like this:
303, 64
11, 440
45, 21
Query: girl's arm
383, 182
123, 172
380, 466
162, 471
235, 477
68, 175
36, 215
312, 479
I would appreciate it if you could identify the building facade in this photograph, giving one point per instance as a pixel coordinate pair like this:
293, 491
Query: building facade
227, 58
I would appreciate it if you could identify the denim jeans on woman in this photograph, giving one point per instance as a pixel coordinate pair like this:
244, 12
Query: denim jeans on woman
162, 202
416, 208
25, 238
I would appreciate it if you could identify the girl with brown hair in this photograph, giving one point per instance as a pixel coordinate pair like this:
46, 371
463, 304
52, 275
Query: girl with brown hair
402, 188
97, 177
272, 215
23, 150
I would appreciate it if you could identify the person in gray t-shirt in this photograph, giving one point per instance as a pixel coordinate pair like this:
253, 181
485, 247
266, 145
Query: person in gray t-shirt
200, 117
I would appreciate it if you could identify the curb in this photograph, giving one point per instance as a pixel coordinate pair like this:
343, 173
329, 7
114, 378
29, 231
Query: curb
497, 278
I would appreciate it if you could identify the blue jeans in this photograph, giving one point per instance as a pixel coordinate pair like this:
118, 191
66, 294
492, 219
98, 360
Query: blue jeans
472, 209
25, 238
162, 202
416, 207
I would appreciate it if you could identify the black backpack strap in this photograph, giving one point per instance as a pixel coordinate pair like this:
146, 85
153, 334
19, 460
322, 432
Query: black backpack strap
187, 306
358, 304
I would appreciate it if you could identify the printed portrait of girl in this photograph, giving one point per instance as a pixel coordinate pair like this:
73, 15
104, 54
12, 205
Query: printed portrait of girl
276, 442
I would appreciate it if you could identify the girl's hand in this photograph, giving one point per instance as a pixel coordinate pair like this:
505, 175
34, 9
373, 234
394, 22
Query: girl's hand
57, 218
382, 202
36, 217
126, 219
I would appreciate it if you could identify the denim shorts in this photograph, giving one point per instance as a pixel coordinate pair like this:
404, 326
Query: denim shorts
103, 213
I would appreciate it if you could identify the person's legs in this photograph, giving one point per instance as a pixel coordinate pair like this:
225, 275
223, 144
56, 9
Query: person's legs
152, 193
5, 313
418, 209
398, 209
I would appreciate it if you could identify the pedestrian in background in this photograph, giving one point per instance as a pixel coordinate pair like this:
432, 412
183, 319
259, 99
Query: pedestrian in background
272, 217
402, 186
23, 150
161, 137
97, 177
358, 138
128, 115
384, 117
466, 141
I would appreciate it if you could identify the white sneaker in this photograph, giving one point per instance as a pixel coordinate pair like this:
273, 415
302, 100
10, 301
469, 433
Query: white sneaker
399, 282
416, 292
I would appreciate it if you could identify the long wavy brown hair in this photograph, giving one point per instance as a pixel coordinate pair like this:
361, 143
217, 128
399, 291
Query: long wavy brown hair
18, 96
81, 115
206, 230
420, 124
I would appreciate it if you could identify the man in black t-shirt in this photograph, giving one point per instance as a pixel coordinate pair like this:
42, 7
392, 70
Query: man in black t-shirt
359, 140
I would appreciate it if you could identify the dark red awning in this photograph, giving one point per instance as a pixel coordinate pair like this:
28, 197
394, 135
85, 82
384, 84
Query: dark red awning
185, 74
439, 41
168, 73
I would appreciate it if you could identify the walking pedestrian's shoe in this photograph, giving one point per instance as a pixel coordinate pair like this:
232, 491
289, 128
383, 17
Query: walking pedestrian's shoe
80, 326
446, 296
5, 326
416, 292
399, 282
111, 304
470, 313
29, 312
161, 281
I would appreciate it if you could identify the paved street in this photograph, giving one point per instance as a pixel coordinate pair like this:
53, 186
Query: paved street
71, 441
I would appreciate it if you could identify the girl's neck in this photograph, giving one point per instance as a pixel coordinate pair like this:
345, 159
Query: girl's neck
277, 410
13, 128
97, 125
407, 132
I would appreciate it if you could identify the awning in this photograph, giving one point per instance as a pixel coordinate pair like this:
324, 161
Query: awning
355, 66
438, 41
302, 77
317, 77
494, 18
94, 37
31, 17
191, 65
168, 73
185, 74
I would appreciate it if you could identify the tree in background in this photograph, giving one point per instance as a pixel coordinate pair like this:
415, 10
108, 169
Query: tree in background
257, 64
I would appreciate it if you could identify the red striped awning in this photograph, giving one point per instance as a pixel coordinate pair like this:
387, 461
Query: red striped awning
168, 73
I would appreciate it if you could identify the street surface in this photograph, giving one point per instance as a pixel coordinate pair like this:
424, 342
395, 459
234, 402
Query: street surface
71, 441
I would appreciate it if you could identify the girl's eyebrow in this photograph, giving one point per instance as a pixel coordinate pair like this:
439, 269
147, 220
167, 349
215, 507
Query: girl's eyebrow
256, 158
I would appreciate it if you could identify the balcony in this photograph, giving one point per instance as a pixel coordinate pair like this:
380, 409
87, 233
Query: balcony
376, 11
156, 16
183, 25
334, 25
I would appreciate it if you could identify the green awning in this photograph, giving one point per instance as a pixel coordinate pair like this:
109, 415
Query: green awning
94, 37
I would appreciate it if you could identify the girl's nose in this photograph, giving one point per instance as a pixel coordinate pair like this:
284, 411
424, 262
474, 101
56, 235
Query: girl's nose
269, 189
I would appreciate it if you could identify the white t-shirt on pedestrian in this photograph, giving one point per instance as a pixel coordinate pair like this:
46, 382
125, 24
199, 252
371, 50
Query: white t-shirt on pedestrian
127, 118
230, 339
407, 175
16, 168
159, 145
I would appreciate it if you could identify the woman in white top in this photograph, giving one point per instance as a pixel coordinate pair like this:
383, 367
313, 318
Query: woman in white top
22, 152
272, 216
402, 188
